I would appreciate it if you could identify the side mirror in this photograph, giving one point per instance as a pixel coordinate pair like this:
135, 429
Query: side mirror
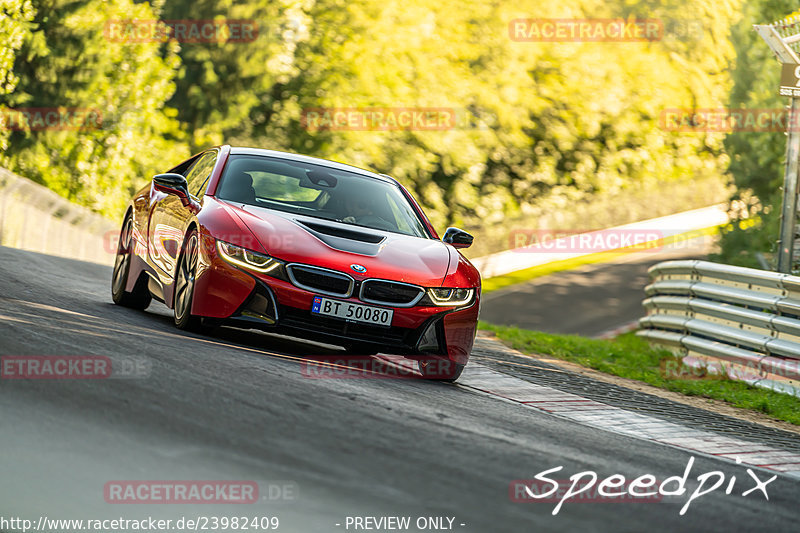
172, 184
457, 237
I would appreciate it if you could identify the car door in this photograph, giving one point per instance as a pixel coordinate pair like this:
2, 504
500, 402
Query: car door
169, 216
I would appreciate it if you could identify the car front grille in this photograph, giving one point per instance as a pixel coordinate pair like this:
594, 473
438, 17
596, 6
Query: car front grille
337, 330
321, 280
391, 293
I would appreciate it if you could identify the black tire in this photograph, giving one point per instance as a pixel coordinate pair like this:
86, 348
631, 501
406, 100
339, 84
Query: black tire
140, 297
185, 276
439, 369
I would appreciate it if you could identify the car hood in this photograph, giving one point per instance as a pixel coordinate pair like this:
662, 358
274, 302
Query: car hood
329, 244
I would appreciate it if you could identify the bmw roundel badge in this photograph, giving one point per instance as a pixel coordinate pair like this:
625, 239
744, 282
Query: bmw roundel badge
361, 269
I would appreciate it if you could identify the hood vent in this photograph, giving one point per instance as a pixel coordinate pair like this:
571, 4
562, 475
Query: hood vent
344, 239
337, 231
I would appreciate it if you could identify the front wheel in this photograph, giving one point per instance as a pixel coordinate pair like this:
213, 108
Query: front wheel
139, 297
440, 369
184, 285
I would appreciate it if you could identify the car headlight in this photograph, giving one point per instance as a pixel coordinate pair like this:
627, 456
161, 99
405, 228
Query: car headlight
246, 258
442, 296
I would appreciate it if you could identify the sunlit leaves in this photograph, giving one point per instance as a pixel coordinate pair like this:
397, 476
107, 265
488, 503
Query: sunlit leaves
541, 126
67, 62
15, 25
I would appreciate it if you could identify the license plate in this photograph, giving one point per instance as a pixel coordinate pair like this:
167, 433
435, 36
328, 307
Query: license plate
350, 311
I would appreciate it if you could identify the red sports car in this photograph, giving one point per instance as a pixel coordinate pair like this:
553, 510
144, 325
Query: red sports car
304, 247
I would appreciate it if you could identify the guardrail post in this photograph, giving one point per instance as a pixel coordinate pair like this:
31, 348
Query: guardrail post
790, 180
781, 37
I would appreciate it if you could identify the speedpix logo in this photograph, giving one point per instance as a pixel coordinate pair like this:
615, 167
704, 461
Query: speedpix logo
544, 489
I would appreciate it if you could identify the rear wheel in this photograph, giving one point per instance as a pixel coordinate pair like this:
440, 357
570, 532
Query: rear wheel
440, 369
184, 285
139, 297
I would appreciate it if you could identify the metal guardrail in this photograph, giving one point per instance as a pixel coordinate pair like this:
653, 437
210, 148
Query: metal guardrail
741, 322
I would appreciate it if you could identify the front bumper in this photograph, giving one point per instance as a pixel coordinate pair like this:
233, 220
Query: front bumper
253, 300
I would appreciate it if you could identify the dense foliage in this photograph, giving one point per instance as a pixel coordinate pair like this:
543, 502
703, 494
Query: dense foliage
15, 17
67, 62
543, 128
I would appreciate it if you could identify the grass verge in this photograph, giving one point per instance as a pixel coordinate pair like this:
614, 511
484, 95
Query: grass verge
631, 357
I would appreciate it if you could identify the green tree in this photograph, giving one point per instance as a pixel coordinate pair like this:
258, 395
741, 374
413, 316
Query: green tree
542, 127
69, 62
560, 122
227, 89
756, 158
15, 18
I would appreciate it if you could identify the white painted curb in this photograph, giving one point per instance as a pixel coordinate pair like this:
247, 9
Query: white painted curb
508, 261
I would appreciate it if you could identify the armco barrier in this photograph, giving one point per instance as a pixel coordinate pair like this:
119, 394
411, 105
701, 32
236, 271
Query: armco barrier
35, 218
729, 320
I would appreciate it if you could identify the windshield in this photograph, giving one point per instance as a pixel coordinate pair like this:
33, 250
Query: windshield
318, 191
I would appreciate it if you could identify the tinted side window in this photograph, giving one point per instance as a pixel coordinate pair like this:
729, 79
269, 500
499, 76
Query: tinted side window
184, 167
198, 175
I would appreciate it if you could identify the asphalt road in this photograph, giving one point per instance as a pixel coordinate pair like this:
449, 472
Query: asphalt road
237, 406
589, 300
